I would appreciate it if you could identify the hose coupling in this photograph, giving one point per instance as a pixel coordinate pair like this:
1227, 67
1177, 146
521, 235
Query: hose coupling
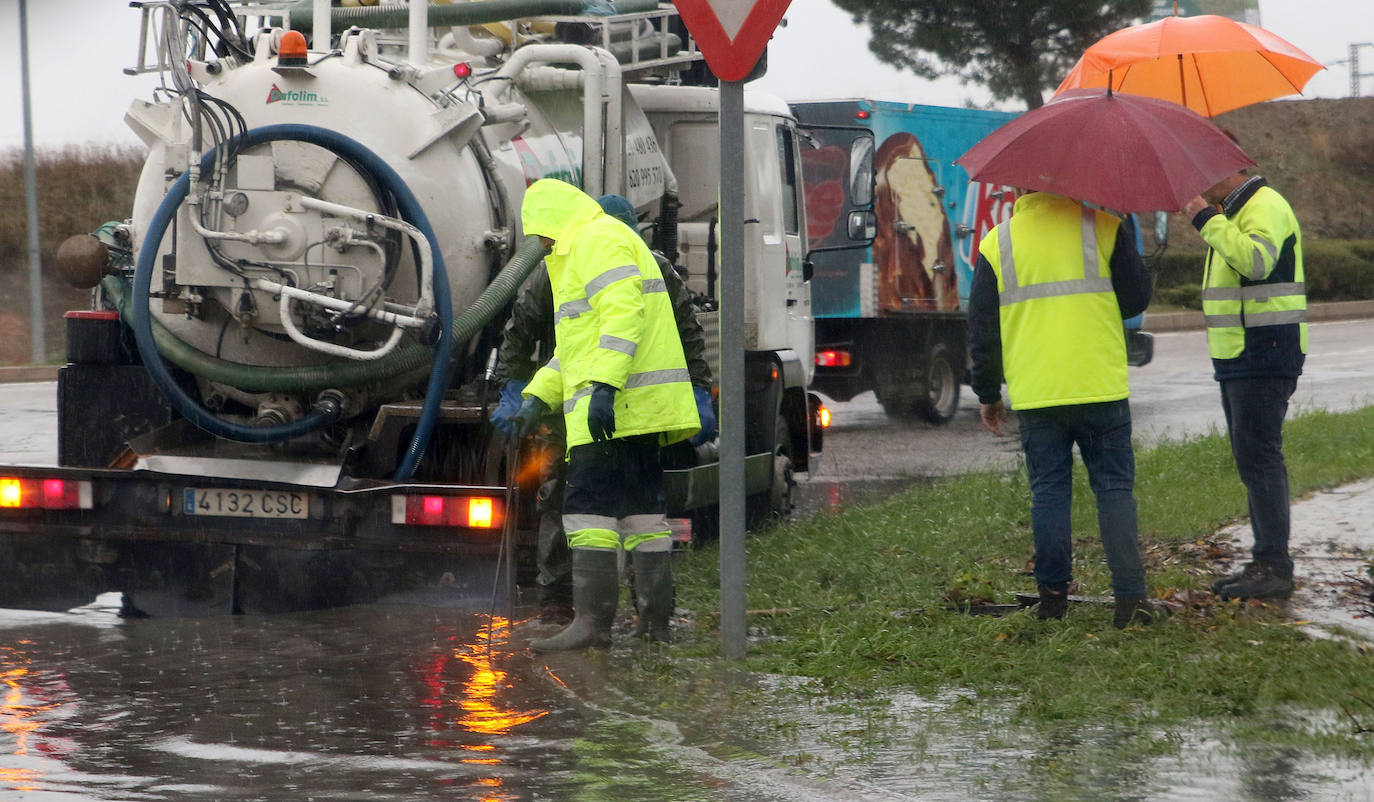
331, 403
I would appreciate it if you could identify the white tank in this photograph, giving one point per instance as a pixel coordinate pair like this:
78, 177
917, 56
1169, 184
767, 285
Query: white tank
395, 114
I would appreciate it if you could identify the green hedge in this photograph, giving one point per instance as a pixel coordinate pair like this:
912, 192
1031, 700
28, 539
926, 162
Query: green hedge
1337, 270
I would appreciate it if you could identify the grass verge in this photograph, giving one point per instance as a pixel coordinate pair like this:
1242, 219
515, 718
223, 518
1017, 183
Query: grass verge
865, 599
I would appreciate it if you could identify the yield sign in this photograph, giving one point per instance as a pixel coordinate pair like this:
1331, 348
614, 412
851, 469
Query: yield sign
731, 33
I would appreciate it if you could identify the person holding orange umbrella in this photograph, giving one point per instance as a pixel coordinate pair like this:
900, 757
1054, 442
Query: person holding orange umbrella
1255, 307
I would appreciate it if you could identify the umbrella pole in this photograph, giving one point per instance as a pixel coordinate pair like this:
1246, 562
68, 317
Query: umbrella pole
1182, 85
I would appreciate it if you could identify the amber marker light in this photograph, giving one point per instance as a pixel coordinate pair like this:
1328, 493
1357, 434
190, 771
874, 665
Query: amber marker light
44, 494
10, 492
473, 512
291, 52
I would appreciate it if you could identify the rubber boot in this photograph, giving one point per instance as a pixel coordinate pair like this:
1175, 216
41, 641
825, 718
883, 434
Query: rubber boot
596, 589
653, 593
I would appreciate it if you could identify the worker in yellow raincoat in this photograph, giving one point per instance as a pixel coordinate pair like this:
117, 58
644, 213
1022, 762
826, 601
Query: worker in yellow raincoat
620, 378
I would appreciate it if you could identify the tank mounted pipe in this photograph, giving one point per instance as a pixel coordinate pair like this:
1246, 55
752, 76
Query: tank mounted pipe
595, 90
144, 267
404, 363
463, 14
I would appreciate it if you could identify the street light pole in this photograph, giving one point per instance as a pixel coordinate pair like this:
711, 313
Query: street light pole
31, 197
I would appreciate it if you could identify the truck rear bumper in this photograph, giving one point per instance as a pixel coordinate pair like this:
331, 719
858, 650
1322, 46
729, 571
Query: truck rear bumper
138, 538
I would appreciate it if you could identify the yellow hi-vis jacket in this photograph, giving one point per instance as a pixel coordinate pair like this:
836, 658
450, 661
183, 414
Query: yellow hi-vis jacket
1254, 296
1062, 338
613, 321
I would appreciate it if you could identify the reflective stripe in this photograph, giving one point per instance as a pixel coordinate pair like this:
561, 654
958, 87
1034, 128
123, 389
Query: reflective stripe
614, 343
1275, 318
592, 538
645, 524
1004, 251
1089, 222
552, 364
1223, 321
1263, 292
658, 541
1221, 294
570, 404
654, 285
572, 309
1255, 319
1257, 270
1050, 289
610, 277
578, 521
645, 379
1013, 293
649, 377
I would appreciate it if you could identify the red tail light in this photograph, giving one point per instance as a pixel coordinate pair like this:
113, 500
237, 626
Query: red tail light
473, 512
25, 493
833, 358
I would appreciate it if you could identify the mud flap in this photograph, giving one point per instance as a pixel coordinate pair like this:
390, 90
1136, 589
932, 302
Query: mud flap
183, 579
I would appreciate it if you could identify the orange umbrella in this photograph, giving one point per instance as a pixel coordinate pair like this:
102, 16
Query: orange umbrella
1209, 63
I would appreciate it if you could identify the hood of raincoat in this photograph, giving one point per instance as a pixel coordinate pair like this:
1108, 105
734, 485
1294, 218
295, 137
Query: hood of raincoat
554, 209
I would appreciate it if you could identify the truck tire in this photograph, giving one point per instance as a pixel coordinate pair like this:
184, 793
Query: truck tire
776, 502
941, 400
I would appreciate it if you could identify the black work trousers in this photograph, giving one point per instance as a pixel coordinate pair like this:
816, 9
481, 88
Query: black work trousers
1255, 408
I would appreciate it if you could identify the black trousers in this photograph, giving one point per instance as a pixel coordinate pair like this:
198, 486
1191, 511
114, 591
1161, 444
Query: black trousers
1255, 408
613, 495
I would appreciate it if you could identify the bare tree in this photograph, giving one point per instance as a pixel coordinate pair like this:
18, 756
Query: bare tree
1016, 48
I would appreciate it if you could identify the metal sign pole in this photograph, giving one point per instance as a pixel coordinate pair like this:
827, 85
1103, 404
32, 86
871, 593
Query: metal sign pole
40, 350
732, 551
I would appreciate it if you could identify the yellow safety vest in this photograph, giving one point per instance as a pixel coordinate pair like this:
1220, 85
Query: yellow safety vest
1253, 275
1062, 338
613, 321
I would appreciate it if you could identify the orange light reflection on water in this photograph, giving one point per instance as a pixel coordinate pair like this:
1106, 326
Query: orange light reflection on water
19, 717
465, 686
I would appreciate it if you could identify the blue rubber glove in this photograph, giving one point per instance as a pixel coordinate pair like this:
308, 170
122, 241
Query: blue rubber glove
510, 404
526, 419
601, 412
707, 414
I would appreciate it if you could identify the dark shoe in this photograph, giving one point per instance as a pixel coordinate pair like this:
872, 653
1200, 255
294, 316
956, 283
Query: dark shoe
1141, 612
1053, 604
1263, 584
1250, 571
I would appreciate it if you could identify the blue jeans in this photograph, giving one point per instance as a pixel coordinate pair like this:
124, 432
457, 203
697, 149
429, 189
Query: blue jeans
1103, 434
1254, 409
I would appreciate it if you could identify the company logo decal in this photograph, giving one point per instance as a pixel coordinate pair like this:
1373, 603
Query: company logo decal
295, 97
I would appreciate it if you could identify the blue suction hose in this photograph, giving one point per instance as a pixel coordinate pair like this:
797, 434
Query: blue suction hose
323, 412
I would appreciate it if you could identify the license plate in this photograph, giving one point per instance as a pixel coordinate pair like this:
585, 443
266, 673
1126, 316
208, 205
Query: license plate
245, 503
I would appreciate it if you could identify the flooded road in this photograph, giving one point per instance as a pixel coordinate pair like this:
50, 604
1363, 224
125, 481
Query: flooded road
415, 703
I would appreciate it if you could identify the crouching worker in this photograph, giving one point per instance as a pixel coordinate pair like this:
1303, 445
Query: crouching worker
619, 376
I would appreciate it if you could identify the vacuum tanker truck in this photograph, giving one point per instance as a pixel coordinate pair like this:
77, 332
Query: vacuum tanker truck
279, 397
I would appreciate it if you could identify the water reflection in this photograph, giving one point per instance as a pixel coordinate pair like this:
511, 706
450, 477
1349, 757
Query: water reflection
466, 692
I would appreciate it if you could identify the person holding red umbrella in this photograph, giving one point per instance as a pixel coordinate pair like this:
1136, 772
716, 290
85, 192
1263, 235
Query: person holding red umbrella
1050, 289
1255, 306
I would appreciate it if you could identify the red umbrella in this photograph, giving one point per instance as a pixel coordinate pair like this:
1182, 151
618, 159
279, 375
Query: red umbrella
1127, 153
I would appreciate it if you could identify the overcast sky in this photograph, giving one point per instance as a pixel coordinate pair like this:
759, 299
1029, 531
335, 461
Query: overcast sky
78, 49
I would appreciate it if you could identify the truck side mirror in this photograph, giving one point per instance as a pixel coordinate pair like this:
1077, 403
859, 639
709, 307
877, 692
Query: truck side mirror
863, 225
861, 172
